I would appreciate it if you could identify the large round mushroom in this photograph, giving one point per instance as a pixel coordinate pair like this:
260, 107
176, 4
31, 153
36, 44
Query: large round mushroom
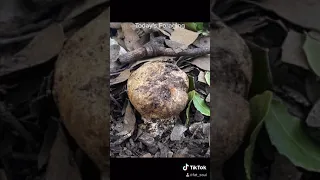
81, 89
231, 70
158, 90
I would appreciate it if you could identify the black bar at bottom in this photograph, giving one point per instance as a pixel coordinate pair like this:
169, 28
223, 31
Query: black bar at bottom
160, 168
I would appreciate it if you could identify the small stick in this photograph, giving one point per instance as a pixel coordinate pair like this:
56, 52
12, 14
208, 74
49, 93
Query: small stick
115, 101
8, 117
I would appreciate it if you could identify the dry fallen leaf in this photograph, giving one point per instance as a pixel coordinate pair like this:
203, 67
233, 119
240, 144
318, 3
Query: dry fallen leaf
202, 42
175, 46
82, 6
202, 62
13, 15
300, 12
292, 51
61, 164
129, 120
311, 47
184, 36
164, 32
114, 55
178, 132
131, 37
201, 77
46, 45
208, 98
124, 75
115, 51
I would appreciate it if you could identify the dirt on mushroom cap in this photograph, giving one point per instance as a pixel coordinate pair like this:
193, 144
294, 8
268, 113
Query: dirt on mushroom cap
158, 90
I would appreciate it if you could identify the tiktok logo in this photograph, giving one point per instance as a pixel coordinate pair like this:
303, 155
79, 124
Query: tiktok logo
185, 167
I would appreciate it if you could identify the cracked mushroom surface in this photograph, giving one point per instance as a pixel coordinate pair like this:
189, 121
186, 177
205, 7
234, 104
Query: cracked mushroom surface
159, 92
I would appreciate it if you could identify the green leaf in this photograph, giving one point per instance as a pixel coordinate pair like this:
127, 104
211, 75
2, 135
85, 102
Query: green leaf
287, 135
191, 26
199, 26
207, 77
262, 79
190, 97
200, 105
311, 48
194, 26
259, 107
191, 83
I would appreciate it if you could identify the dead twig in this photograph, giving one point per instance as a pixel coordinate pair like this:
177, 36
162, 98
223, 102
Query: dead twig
4, 88
8, 117
115, 102
156, 48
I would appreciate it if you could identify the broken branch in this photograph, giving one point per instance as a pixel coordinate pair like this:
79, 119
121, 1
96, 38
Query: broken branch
156, 48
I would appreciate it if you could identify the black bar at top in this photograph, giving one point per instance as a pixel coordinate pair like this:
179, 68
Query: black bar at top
160, 11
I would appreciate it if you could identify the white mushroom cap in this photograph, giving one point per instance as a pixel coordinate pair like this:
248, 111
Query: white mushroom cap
158, 90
